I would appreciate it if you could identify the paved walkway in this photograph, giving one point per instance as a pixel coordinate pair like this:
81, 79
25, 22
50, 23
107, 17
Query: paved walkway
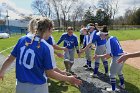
2, 59
90, 84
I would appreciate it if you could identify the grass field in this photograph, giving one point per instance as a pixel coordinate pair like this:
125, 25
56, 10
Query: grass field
132, 75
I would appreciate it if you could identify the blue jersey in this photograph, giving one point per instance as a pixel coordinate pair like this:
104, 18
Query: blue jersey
69, 41
86, 40
94, 38
51, 40
32, 62
113, 47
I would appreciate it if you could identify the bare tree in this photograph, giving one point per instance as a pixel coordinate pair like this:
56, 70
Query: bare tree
77, 14
56, 6
66, 5
42, 7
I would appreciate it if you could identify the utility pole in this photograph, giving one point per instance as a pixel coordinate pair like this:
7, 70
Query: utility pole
8, 22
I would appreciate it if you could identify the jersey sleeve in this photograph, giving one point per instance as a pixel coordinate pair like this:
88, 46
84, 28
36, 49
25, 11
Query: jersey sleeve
93, 37
15, 49
84, 41
60, 40
53, 41
108, 48
76, 41
49, 59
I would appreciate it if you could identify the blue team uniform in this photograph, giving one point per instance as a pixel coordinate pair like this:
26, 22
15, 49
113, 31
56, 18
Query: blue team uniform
113, 47
51, 40
100, 50
69, 41
86, 40
94, 38
88, 51
31, 62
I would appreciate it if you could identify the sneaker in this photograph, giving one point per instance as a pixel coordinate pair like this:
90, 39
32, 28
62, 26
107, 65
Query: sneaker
121, 86
111, 91
91, 74
85, 66
49, 84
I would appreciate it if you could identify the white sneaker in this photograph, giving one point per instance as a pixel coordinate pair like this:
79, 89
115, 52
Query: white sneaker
91, 74
111, 91
49, 84
121, 86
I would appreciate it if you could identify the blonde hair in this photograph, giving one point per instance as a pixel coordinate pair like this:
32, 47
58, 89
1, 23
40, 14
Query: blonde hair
32, 24
39, 26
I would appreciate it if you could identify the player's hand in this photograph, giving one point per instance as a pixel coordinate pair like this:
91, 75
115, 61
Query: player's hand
60, 55
95, 56
122, 59
65, 49
74, 81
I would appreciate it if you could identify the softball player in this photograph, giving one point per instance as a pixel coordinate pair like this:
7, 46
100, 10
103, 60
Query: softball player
90, 28
50, 40
114, 50
70, 42
88, 51
99, 50
35, 57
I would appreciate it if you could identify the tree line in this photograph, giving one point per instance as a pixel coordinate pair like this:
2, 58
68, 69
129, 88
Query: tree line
75, 13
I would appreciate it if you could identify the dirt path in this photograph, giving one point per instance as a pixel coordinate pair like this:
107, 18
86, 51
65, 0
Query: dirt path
132, 46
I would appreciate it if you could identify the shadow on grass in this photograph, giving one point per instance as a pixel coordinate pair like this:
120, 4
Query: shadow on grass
57, 87
131, 88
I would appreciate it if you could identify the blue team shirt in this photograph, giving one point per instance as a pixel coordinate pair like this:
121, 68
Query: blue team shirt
69, 41
113, 47
51, 40
94, 38
31, 62
86, 40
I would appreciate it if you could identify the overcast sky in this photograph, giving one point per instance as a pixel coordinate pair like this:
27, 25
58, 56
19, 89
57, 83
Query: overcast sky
24, 6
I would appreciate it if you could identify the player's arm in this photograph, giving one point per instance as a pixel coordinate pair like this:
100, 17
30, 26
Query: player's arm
60, 55
6, 64
105, 56
129, 55
60, 71
57, 76
60, 40
59, 48
87, 47
84, 42
93, 38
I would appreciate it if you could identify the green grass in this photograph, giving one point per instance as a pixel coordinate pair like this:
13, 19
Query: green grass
132, 75
126, 34
6, 43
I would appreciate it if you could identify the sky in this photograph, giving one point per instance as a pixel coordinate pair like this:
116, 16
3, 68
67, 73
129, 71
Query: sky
24, 6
